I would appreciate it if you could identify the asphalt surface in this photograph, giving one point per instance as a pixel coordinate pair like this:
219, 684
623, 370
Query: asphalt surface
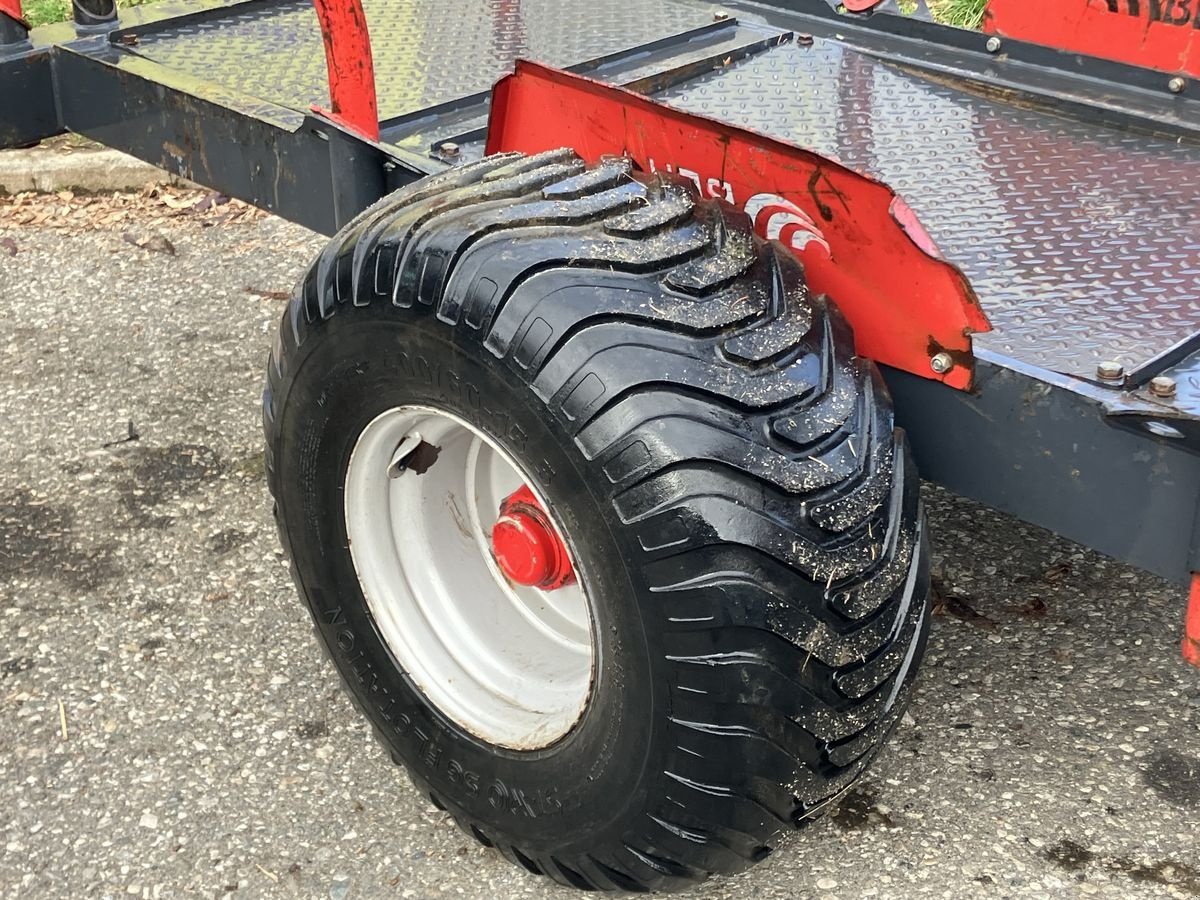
168, 726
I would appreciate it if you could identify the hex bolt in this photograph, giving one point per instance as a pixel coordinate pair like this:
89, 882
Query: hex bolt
1162, 386
804, 40
994, 44
397, 466
449, 149
719, 15
1176, 85
1110, 371
942, 363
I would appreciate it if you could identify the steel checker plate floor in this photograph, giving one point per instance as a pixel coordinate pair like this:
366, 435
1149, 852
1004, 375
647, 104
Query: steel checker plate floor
426, 52
1083, 242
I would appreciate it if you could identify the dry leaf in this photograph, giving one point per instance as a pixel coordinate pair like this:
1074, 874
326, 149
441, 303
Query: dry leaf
269, 295
155, 243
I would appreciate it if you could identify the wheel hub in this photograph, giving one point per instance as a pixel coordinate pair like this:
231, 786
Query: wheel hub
527, 549
467, 578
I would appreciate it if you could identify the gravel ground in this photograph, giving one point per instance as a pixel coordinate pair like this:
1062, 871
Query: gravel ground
170, 728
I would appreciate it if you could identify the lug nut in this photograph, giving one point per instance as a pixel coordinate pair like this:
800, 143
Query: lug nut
942, 363
994, 44
1110, 371
1162, 386
1176, 85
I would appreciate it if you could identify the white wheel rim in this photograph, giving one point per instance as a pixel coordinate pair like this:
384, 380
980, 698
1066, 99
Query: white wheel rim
512, 665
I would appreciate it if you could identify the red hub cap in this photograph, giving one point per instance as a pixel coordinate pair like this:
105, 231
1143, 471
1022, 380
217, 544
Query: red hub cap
526, 546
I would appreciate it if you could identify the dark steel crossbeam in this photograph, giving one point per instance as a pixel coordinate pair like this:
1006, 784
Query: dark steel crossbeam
1042, 450
315, 174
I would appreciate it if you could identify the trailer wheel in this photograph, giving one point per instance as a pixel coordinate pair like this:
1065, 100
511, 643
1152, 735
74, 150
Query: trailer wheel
605, 527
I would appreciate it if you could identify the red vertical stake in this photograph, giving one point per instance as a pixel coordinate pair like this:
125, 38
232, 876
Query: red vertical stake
351, 67
1191, 628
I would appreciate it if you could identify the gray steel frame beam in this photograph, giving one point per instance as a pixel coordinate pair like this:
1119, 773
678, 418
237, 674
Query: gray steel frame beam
27, 109
1045, 453
315, 175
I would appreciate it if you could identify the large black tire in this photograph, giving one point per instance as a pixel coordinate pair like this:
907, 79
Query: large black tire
743, 513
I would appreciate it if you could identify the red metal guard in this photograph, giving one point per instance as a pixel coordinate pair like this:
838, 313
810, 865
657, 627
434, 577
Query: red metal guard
859, 242
1191, 629
351, 67
1157, 34
13, 9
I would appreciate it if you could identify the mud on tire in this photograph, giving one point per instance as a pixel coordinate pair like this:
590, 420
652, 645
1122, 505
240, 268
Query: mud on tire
738, 503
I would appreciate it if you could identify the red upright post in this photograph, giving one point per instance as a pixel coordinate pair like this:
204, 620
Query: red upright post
351, 69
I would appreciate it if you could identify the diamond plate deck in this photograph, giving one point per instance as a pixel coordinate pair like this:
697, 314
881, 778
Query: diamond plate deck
426, 52
1083, 242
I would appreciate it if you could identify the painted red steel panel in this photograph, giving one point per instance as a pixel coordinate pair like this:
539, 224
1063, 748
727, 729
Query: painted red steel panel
1157, 34
13, 8
351, 67
859, 242
1191, 633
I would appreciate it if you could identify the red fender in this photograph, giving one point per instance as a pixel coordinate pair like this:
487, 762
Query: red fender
859, 241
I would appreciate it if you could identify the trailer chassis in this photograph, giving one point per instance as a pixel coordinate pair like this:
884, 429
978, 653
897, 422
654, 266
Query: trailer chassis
1108, 457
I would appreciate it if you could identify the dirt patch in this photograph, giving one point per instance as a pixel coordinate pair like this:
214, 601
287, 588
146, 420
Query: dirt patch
37, 539
16, 666
225, 541
1075, 858
1067, 854
858, 810
157, 475
1175, 777
312, 729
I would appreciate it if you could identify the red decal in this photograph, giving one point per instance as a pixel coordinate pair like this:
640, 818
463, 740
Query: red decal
859, 242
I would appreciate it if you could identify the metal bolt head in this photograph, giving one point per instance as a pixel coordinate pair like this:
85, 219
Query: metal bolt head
1162, 386
449, 149
1110, 371
994, 44
719, 15
942, 363
804, 40
1176, 85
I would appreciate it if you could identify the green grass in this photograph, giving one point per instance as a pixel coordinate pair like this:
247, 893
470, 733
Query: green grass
961, 13
46, 12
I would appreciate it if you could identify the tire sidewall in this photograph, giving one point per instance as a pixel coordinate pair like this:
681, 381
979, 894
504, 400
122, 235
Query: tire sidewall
597, 778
